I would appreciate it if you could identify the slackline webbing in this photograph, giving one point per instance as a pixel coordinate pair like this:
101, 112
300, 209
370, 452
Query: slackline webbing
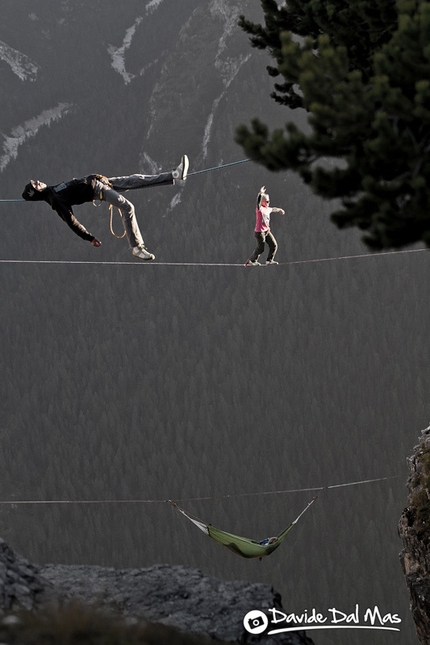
215, 264
232, 163
192, 499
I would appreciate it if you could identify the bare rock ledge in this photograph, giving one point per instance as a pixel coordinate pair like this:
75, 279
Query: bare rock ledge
172, 595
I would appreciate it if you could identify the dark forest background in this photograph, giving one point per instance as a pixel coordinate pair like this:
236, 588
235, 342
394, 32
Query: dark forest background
139, 381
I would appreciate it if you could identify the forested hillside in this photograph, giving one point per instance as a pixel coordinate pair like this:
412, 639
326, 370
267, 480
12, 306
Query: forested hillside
152, 382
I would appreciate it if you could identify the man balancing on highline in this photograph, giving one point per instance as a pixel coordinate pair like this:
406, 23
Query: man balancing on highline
97, 187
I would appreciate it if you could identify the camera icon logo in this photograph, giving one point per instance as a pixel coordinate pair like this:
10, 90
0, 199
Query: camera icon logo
255, 621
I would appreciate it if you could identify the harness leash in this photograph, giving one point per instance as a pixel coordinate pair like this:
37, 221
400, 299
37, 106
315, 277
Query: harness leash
118, 237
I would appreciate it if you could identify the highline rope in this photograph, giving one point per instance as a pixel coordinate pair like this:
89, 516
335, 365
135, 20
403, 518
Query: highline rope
192, 499
232, 163
215, 264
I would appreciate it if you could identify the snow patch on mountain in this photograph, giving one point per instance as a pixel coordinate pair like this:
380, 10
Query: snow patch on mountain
28, 129
148, 66
222, 9
208, 128
174, 202
118, 53
228, 67
146, 161
20, 64
227, 59
153, 5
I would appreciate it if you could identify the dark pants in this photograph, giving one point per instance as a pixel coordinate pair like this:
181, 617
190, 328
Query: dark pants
262, 238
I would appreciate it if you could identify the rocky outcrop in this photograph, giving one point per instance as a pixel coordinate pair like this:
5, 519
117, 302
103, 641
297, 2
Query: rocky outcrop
21, 586
414, 530
172, 595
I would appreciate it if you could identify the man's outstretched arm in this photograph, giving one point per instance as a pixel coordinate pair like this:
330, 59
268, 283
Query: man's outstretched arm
67, 215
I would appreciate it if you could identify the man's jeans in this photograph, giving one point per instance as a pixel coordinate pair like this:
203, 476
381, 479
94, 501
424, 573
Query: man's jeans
126, 208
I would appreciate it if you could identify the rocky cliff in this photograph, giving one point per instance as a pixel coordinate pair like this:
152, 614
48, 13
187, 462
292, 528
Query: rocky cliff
414, 529
175, 596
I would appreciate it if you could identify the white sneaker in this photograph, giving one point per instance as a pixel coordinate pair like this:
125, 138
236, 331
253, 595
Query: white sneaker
142, 253
250, 263
271, 262
180, 173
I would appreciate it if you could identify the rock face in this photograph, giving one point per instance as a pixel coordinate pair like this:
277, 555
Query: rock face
21, 586
173, 595
414, 530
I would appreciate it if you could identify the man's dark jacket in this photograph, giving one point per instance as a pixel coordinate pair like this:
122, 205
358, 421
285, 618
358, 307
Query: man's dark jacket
62, 197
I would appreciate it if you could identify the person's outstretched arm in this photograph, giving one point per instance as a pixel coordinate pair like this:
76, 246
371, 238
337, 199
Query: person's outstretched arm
67, 215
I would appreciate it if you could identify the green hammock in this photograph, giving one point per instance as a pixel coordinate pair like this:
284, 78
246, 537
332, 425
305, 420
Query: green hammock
242, 546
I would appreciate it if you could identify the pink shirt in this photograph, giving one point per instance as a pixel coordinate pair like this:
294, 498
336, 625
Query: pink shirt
262, 219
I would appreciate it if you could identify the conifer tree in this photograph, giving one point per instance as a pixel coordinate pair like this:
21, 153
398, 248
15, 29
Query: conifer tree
361, 70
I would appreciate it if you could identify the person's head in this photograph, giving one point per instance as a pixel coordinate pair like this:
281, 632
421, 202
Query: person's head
265, 199
33, 191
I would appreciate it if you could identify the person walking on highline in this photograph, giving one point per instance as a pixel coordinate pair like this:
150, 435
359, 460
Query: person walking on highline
63, 196
262, 231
